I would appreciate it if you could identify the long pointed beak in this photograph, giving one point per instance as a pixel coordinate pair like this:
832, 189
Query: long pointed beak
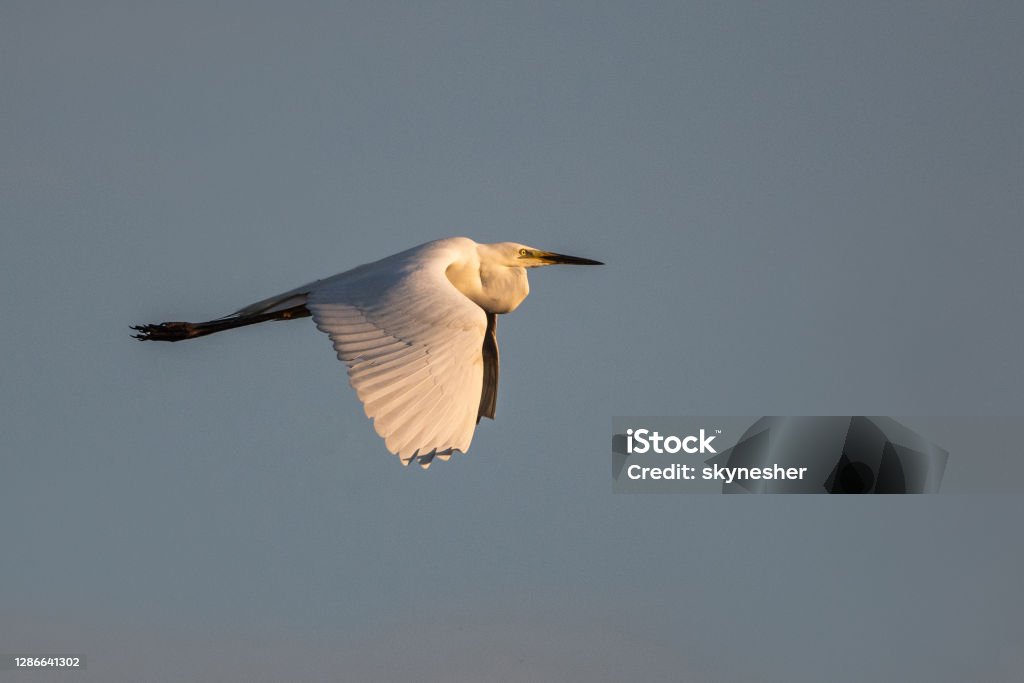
552, 257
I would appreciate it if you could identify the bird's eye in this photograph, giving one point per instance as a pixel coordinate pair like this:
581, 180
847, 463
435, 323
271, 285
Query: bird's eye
524, 252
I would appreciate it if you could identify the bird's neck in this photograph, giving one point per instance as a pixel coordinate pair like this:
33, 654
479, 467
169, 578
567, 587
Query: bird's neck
494, 288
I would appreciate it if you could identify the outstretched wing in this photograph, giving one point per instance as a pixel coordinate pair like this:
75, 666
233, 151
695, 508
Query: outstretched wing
414, 348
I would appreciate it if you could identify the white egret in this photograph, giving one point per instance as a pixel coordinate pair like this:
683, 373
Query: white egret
417, 331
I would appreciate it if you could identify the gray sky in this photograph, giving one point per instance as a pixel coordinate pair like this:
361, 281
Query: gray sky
806, 208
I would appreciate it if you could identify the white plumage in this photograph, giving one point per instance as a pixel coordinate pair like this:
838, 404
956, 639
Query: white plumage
417, 331
413, 344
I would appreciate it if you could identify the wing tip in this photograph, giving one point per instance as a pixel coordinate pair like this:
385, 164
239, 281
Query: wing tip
425, 460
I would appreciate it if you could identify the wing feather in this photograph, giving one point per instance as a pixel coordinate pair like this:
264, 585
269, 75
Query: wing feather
489, 395
414, 348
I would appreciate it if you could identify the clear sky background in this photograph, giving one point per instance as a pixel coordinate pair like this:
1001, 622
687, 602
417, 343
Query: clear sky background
805, 207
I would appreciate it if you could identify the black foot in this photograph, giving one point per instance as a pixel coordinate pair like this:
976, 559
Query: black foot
173, 331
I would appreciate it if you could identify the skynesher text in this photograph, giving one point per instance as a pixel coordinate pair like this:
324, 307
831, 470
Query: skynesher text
725, 474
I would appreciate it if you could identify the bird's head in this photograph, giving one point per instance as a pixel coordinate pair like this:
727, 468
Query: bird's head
517, 255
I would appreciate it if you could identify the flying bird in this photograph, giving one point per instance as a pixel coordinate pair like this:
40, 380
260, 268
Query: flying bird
418, 331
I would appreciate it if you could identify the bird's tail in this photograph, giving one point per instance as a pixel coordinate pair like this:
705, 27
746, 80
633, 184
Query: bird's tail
176, 331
